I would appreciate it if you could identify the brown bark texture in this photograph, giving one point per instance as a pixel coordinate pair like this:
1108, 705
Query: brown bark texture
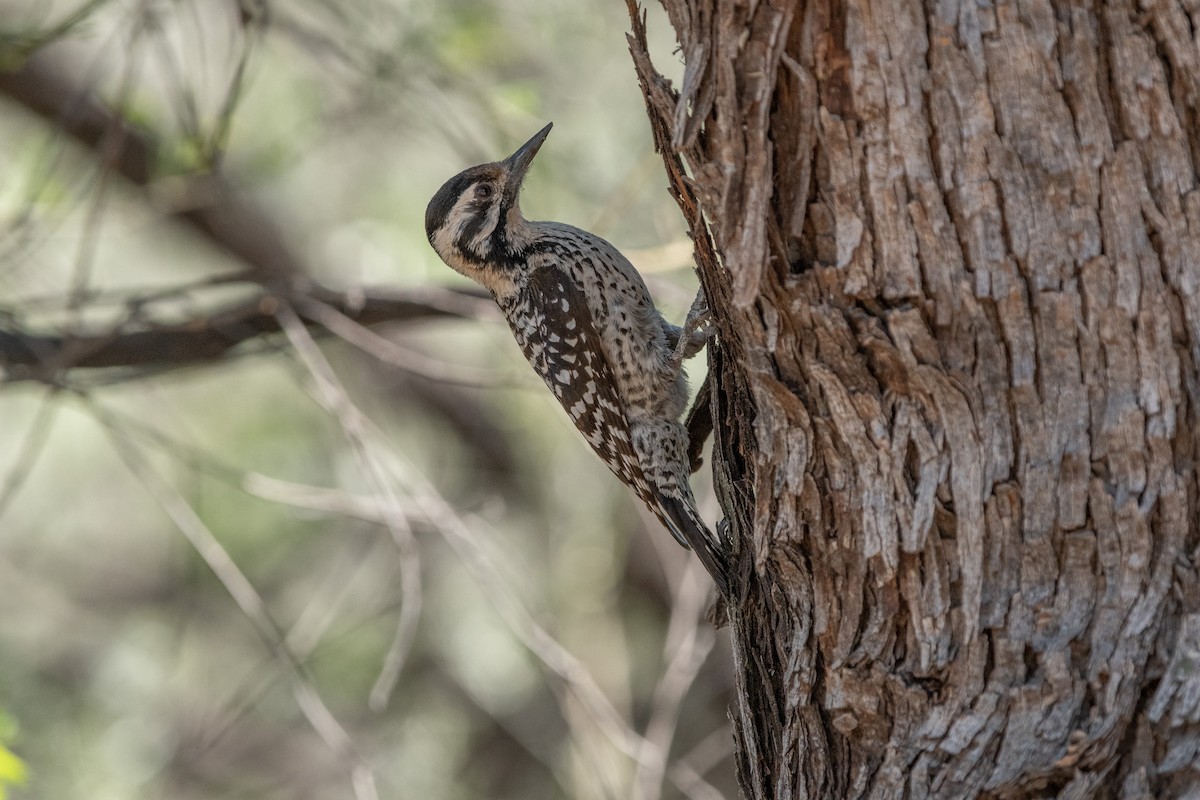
953, 250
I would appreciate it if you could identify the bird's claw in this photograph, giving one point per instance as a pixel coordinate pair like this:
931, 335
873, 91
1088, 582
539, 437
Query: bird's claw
698, 328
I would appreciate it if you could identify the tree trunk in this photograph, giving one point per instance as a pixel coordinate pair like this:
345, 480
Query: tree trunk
953, 253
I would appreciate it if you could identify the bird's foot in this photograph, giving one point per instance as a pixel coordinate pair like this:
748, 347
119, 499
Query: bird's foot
698, 328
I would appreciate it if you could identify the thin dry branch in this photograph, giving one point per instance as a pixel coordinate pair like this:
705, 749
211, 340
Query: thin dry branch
470, 548
335, 400
29, 356
687, 646
207, 546
205, 203
687, 773
28, 451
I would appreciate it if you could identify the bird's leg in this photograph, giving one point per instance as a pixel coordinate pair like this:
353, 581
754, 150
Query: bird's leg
697, 329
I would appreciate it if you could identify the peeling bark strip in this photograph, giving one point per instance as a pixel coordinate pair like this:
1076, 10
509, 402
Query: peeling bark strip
955, 400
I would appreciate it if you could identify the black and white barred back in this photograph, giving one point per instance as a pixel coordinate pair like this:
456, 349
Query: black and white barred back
585, 321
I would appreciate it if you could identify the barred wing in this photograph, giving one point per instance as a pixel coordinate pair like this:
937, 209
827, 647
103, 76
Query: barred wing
553, 324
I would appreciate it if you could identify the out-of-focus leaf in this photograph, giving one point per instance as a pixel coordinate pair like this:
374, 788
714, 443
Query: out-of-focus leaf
13, 771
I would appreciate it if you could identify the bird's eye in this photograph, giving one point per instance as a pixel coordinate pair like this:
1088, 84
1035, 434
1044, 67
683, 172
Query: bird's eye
483, 191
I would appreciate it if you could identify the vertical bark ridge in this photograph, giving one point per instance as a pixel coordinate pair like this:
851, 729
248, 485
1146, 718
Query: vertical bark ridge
953, 253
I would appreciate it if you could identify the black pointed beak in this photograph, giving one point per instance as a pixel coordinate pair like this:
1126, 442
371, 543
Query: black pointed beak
518, 163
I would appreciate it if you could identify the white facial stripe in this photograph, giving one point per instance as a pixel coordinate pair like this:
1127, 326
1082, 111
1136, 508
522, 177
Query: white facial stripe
481, 244
443, 243
448, 237
457, 253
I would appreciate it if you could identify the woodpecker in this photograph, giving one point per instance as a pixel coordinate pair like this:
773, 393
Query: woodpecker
586, 323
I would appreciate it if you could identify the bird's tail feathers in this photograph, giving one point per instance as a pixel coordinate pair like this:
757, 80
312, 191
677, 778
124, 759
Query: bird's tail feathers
682, 519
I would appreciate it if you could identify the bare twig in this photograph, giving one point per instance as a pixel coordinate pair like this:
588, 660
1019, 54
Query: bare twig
354, 426
543, 750
371, 343
253, 29
325, 606
107, 150
687, 773
204, 203
248, 600
470, 548
30, 448
18, 45
472, 552
687, 646
28, 356
336, 502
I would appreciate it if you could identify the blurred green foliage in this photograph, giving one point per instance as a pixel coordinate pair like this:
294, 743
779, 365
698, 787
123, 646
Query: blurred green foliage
128, 661
13, 771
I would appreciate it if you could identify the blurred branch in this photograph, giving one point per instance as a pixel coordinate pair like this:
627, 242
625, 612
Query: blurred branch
249, 600
687, 772
686, 648
470, 549
473, 552
42, 89
355, 428
333, 502
16, 45
29, 450
27, 356
519, 731
205, 204
355, 333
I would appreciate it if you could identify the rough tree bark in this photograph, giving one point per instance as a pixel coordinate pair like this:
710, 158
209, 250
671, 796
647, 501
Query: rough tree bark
958, 292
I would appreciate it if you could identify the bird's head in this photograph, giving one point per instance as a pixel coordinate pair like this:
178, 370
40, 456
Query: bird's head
474, 221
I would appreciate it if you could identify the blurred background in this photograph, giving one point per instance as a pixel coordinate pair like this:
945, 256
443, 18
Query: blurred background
367, 563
